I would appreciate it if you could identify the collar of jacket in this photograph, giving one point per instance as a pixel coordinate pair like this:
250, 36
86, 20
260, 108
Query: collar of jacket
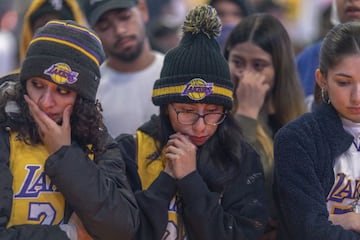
331, 126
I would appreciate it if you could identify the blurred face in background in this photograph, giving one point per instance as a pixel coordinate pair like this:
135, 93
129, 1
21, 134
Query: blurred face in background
43, 19
248, 57
229, 12
348, 10
122, 32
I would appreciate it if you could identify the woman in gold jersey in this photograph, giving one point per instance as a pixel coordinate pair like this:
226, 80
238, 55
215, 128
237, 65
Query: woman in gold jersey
56, 155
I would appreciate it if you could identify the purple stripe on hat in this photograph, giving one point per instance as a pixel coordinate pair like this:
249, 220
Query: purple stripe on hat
75, 28
72, 40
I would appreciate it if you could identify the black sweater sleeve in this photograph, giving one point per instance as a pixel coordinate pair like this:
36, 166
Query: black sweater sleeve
99, 193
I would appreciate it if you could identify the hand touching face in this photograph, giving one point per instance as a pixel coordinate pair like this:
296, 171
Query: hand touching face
51, 106
253, 74
251, 92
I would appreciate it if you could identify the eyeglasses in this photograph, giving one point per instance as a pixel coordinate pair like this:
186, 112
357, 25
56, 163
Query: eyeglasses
190, 118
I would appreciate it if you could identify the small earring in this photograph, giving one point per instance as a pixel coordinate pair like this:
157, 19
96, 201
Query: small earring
325, 97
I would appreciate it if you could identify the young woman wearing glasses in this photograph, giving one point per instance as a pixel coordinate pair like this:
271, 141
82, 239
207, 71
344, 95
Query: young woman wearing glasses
193, 175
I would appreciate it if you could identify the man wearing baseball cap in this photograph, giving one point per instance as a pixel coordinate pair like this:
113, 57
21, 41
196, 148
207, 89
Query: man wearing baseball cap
131, 67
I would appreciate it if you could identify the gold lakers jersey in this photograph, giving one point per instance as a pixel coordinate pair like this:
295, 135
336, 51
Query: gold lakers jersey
35, 199
148, 172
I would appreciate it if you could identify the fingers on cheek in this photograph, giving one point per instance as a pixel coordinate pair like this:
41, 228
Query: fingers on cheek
30, 103
40, 131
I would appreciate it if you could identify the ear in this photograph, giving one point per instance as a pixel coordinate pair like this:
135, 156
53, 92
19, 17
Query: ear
320, 79
143, 10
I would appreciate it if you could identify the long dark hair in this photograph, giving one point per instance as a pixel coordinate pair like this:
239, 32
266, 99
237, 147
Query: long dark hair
219, 160
87, 127
269, 34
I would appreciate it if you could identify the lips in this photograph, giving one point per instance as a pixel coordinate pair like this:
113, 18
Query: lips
198, 141
354, 110
353, 12
124, 43
55, 117
352, 8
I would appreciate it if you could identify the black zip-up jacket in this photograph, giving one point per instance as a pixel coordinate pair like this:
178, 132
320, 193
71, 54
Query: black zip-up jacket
240, 212
98, 191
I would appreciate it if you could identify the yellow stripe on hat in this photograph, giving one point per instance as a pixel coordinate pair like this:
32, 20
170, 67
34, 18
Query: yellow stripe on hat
172, 90
70, 44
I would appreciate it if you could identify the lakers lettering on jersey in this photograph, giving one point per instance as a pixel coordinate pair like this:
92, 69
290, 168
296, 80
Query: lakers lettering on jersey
35, 198
346, 188
344, 192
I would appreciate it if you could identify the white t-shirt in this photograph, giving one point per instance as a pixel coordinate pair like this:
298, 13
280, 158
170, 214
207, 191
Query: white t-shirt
7, 52
126, 97
346, 187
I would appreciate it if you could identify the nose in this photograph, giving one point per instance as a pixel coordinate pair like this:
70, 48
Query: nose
199, 125
355, 95
46, 99
119, 27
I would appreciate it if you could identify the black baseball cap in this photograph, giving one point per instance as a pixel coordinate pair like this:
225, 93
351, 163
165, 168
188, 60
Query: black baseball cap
93, 9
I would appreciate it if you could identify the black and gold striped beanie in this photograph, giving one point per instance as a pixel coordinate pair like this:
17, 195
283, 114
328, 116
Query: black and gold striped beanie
195, 71
67, 54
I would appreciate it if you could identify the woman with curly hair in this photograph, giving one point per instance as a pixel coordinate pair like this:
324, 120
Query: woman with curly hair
57, 159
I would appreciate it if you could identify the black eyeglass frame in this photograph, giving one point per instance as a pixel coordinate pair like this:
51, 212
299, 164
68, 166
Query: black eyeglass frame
221, 114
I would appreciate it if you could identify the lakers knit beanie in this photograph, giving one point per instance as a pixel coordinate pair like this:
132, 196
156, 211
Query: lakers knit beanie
195, 71
67, 54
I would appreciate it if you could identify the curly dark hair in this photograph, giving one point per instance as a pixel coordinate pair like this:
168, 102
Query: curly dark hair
87, 127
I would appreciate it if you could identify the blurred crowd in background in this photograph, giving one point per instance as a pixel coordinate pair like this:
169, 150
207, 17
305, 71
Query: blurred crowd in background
305, 20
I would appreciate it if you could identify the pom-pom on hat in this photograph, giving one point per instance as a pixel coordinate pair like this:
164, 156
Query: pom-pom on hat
65, 53
195, 71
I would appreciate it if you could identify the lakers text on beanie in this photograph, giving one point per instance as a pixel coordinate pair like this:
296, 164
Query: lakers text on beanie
65, 53
195, 71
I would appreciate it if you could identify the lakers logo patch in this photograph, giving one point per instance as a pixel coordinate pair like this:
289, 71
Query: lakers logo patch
61, 73
197, 89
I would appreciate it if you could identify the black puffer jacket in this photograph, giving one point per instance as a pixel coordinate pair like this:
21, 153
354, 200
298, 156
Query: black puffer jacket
99, 193
239, 211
